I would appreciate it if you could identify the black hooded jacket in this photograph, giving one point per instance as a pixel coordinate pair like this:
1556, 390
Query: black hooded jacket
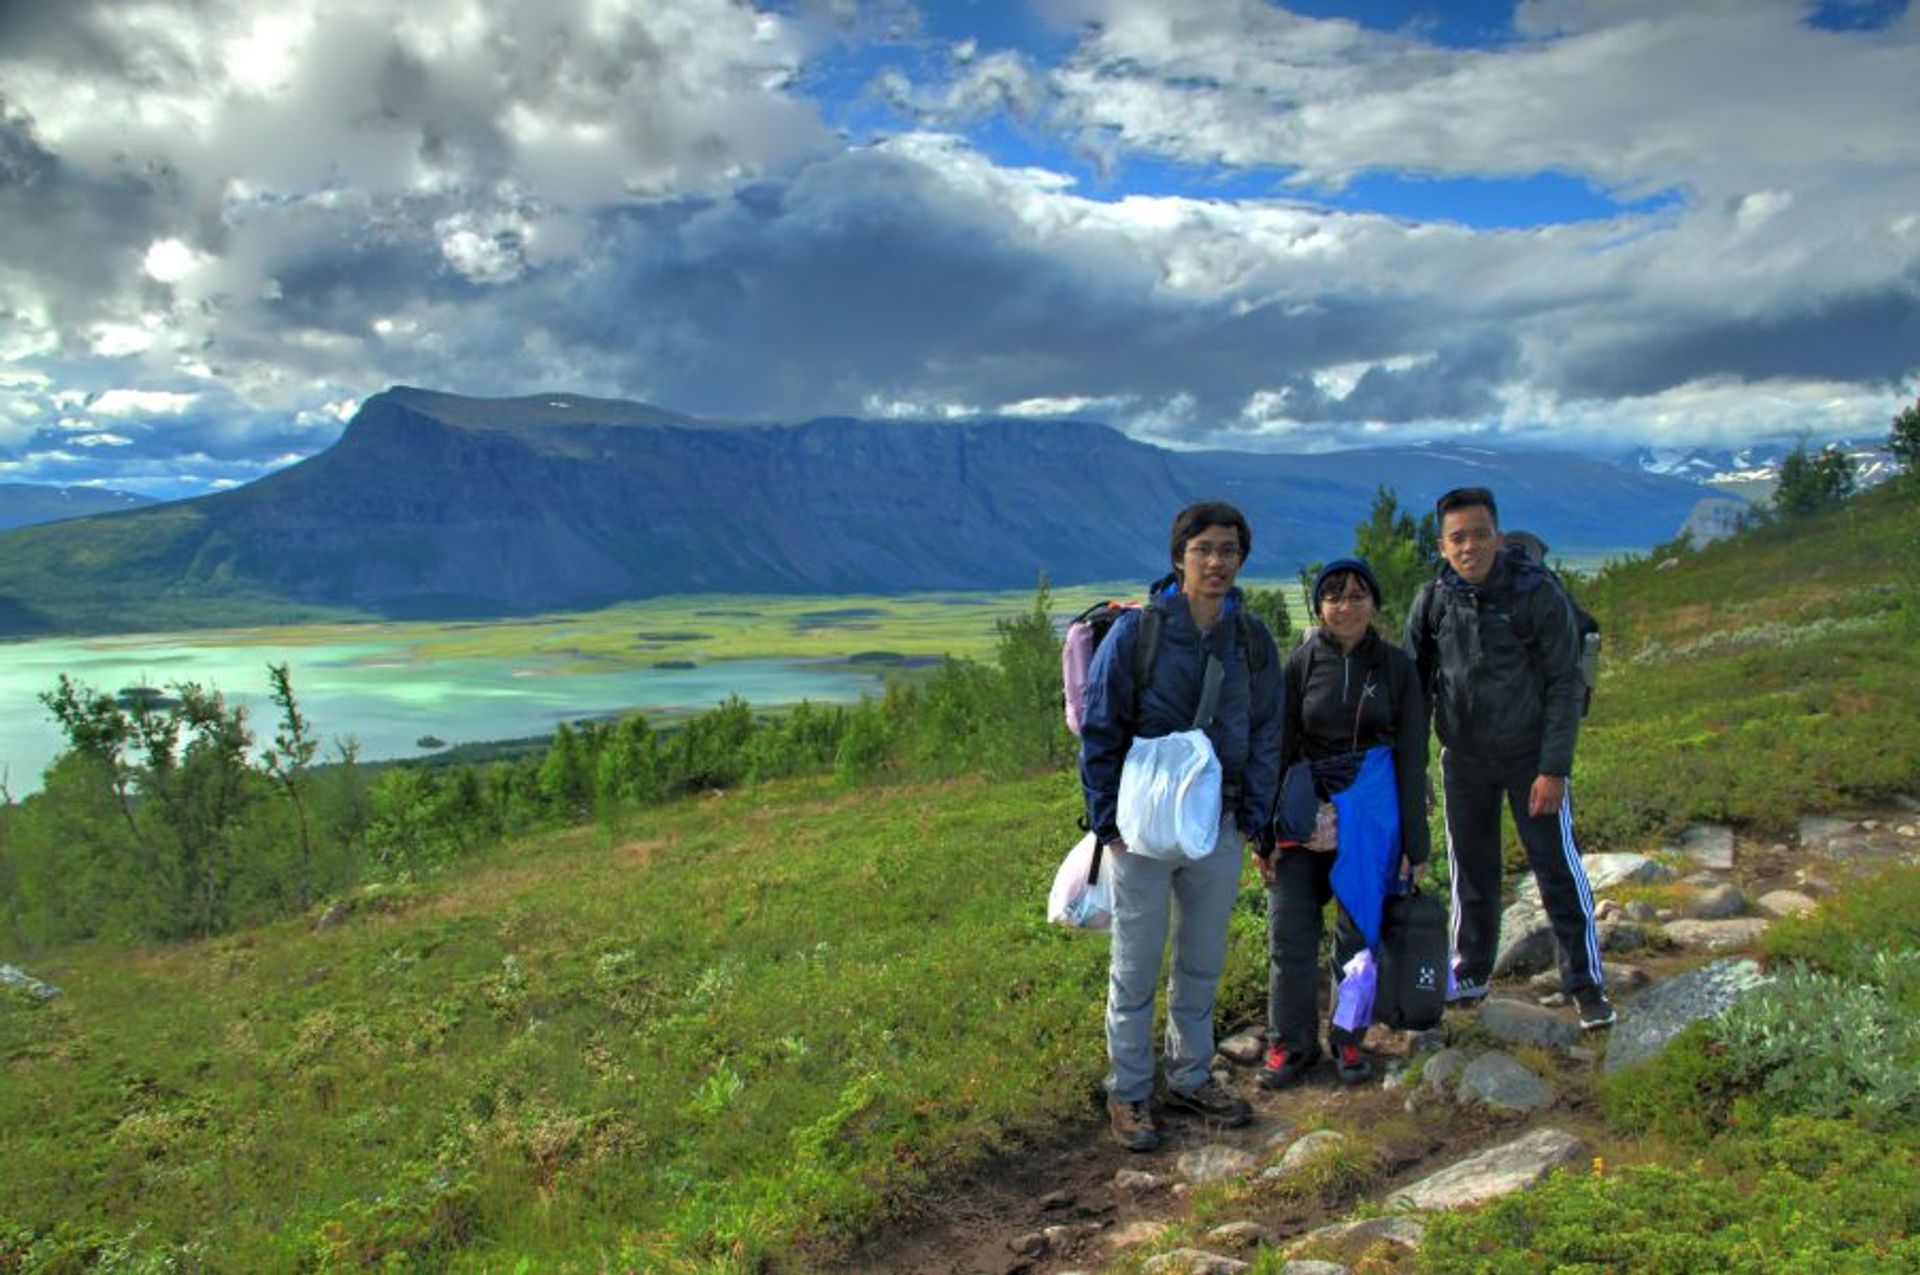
1502, 690
1345, 701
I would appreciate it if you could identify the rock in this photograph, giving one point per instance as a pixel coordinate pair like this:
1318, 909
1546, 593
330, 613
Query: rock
1309, 1148
1907, 802
1621, 936
1664, 915
1518, 1023
1443, 1069
1708, 844
1053, 1200
1907, 830
1622, 977
1496, 1080
1526, 940
1500, 1171
1138, 1182
1554, 1000
1063, 1238
1193, 1261
1666, 1009
1717, 903
1245, 1047
1240, 1235
1819, 832
1303, 1266
1404, 1231
1786, 903
15, 977
1213, 1163
1033, 1244
1642, 911
1718, 936
1134, 1234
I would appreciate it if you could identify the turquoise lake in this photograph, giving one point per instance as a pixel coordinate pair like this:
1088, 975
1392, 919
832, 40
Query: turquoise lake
375, 692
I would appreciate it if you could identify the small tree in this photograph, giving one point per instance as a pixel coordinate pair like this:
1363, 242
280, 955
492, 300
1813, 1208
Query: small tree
1811, 484
1904, 440
1403, 552
293, 749
1270, 606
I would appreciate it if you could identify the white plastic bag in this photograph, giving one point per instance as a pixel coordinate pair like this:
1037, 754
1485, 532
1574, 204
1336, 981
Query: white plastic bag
1170, 796
1076, 902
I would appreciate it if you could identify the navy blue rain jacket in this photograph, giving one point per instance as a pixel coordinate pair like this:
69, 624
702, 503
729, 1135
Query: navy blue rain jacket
1246, 724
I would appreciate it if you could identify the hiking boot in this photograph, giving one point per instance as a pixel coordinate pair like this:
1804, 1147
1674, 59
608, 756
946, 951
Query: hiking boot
1286, 1066
1595, 1009
1350, 1064
1132, 1124
1212, 1100
1466, 994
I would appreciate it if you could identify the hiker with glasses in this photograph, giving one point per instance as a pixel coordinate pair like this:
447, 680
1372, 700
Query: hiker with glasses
1349, 692
1497, 644
1208, 664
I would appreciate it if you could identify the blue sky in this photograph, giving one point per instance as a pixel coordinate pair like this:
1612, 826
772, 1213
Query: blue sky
1594, 225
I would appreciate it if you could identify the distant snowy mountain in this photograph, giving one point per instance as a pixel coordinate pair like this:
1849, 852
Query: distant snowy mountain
1752, 472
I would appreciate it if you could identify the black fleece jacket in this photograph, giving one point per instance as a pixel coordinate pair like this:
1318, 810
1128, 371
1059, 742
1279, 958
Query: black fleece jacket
1505, 690
1345, 701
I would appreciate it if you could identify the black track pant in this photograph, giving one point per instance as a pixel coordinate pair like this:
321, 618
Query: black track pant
1474, 790
1302, 884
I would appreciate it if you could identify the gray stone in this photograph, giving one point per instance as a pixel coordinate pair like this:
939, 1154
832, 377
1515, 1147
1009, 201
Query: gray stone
1193, 1261
1307, 1266
1033, 1244
1213, 1163
1502, 1170
1497, 1081
1621, 936
1054, 1200
1622, 977
1907, 802
1309, 1148
1137, 1182
1240, 1235
1604, 871
1718, 902
1405, 1231
1666, 1009
1134, 1234
1819, 832
1526, 940
1718, 936
1708, 844
1786, 903
1443, 1068
1244, 1048
1518, 1023
15, 977
1642, 911
1064, 1238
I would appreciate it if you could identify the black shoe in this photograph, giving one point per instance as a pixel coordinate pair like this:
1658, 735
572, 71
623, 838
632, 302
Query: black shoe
1212, 1100
1595, 1009
1351, 1065
1286, 1066
1132, 1124
1467, 994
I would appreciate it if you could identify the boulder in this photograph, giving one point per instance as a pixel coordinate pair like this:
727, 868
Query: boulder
1708, 844
1138, 1182
1786, 903
1244, 1048
1666, 1009
1819, 832
1504, 1169
1240, 1235
1499, 1082
1134, 1234
1517, 1023
1718, 936
1309, 1148
1193, 1261
1405, 1231
1214, 1162
1718, 902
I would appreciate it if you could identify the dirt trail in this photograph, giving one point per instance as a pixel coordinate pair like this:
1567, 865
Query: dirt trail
973, 1224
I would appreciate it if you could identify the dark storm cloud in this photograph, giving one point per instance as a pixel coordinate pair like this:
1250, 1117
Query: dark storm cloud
1871, 337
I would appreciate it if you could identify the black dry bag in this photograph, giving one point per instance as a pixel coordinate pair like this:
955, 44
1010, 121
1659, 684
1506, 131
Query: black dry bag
1412, 990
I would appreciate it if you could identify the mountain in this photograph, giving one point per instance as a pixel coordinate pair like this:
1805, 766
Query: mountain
24, 504
1753, 472
435, 505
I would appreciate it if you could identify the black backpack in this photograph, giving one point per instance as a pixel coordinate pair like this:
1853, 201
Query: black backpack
1412, 989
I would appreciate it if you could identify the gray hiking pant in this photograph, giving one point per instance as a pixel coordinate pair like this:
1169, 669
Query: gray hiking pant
1150, 897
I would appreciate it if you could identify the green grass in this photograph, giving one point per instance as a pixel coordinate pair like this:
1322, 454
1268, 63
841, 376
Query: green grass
735, 1033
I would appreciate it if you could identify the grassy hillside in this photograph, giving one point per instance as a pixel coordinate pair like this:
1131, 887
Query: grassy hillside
731, 1032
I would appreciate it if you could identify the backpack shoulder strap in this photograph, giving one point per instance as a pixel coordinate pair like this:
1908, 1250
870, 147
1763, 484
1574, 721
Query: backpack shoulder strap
1146, 644
1252, 631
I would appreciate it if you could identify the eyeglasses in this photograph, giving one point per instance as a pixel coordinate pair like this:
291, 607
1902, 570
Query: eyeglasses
1352, 597
1223, 552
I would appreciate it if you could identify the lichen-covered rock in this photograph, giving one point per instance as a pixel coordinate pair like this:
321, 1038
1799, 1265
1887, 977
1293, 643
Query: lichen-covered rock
1666, 1009
1501, 1083
1502, 1170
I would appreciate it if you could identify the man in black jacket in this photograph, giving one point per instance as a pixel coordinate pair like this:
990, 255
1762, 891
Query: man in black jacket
1497, 647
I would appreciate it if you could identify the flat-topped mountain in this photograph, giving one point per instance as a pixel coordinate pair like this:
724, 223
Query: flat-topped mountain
436, 505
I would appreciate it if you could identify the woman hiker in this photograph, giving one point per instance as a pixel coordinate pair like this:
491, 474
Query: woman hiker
1348, 691
1199, 618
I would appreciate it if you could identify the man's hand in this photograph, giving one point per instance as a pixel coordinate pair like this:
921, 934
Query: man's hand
1547, 794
